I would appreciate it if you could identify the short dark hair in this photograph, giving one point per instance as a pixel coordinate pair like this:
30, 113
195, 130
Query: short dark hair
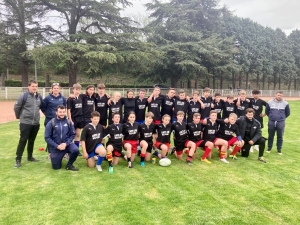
32, 82
255, 92
249, 110
279, 92
95, 114
60, 107
217, 94
115, 113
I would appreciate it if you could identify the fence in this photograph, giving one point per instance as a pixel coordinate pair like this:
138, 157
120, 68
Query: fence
12, 93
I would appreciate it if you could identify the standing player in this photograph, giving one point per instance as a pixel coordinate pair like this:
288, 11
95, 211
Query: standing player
74, 111
181, 139
91, 143
168, 103
114, 143
242, 103
163, 136
194, 107
210, 130
180, 104
206, 103
228, 127
154, 105
146, 131
129, 104
101, 100
218, 105
115, 106
228, 107
140, 107
88, 103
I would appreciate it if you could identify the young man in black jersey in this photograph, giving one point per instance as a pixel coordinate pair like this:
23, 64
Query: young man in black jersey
163, 136
88, 103
115, 135
181, 140
228, 107
115, 106
131, 140
210, 130
168, 103
228, 127
101, 100
180, 104
91, 143
217, 105
154, 105
141, 104
242, 103
146, 131
194, 106
74, 111
206, 103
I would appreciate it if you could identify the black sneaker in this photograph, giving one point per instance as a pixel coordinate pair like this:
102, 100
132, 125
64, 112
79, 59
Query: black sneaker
32, 160
73, 168
18, 164
173, 150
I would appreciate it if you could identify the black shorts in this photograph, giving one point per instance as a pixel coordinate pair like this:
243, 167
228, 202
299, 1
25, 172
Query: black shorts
150, 146
181, 145
117, 147
78, 122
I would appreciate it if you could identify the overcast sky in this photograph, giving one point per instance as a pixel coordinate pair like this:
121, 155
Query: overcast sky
283, 14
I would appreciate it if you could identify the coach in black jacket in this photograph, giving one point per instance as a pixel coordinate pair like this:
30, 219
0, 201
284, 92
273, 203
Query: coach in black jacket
250, 131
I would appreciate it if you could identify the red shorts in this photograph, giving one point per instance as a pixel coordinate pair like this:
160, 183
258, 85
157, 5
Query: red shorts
215, 140
159, 144
156, 122
133, 143
232, 141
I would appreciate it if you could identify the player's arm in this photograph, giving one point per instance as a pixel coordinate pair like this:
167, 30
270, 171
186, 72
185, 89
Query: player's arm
18, 106
83, 146
149, 100
238, 102
287, 110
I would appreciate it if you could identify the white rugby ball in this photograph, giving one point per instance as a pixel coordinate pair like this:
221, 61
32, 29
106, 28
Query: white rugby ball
165, 162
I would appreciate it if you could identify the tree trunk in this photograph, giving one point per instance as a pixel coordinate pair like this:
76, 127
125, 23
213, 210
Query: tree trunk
263, 82
269, 83
247, 80
24, 71
196, 83
208, 81
72, 76
295, 84
274, 80
214, 82
257, 80
221, 82
279, 83
290, 84
174, 81
240, 80
233, 80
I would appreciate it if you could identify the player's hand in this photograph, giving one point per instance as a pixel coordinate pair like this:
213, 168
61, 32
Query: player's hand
72, 96
226, 120
107, 95
108, 102
202, 106
187, 98
72, 122
262, 114
240, 144
85, 155
251, 142
204, 122
63, 146
212, 105
60, 147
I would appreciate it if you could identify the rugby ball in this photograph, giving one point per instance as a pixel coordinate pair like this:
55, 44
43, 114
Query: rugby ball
165, 162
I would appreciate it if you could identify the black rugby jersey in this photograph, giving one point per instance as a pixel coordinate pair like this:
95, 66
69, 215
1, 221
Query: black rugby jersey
92, 135
130, 131
163, 133
88, 105
194, 107
207, 103
226, 130
194, 131
218, 107
240, 110
210, 131
154, 107
228, 108
75, 106
146, 132
180, 105
140, 108
180, 132
101, 105
113, 108
167, 105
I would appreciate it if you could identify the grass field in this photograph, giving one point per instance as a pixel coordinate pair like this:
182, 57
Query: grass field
241, 192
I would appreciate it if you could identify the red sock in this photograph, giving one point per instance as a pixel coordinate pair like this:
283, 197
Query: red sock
222, 155
206, 152
235, 150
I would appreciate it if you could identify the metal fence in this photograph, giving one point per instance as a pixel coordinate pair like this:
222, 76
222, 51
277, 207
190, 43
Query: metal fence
12, 93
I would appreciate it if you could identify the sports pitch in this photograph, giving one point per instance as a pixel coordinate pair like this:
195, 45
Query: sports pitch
245, 191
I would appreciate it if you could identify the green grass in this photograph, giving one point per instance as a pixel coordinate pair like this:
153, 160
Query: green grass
242, 192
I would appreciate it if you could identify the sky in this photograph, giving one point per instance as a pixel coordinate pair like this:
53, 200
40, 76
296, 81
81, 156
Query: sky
283, 14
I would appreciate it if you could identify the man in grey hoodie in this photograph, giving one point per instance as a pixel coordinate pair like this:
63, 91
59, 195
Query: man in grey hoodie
277, 110
27, 109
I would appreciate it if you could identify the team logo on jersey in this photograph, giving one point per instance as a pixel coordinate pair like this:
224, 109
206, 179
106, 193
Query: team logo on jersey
241, 107
90, 102
147, 135
194, 110
180, 103
196, 133
182, 132
229, 109
211, 131
142, 106
165, 133
132, 132
169, 103
96, 136
78, 105
101, 104
154, 105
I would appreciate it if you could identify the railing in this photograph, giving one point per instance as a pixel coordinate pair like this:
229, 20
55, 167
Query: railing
12, 93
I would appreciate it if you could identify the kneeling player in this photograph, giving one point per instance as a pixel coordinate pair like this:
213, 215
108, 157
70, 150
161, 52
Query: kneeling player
209, 134
131, 137
228, 127
163, 136
146, 131
181, 139
91, 143
114, 143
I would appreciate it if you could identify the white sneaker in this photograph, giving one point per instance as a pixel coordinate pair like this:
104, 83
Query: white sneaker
256, 147
99, 168
279, 153
96, 157
251, 149
224, 160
